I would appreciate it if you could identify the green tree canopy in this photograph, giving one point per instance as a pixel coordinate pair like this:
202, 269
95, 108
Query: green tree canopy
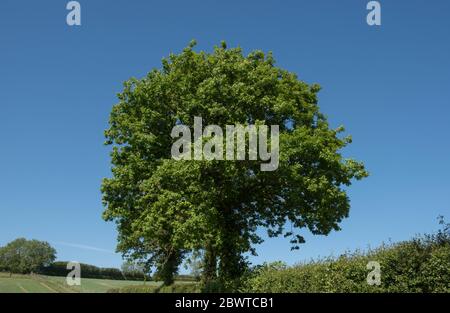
164, 208
26, 256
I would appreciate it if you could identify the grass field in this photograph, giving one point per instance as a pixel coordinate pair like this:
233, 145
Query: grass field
52, 284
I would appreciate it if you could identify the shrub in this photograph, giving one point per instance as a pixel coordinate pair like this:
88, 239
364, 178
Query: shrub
89, 271
213, 286
174, 288
419, 265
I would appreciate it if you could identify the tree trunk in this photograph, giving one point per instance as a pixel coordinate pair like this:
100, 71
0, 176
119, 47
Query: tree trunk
232, 264
210, 264
169, 268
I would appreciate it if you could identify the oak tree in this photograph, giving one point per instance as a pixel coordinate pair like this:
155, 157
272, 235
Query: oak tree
166, 208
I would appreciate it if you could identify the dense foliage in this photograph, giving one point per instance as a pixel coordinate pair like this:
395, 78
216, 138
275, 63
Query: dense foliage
91, 271
165, 208
26, 256
418, 265
173, 288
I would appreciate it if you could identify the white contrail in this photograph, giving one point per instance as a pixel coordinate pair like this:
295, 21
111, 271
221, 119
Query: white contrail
81, 246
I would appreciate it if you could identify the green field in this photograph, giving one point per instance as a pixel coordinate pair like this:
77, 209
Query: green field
52, 284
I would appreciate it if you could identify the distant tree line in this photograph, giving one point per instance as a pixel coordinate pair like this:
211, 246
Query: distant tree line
22, 256
91, 271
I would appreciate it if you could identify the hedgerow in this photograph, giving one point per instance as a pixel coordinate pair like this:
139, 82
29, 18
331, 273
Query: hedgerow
421, 264
174, 288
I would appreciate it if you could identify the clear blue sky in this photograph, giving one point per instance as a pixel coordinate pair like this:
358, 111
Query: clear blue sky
389, 85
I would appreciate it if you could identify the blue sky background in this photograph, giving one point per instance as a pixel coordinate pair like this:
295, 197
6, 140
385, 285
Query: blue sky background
389, 86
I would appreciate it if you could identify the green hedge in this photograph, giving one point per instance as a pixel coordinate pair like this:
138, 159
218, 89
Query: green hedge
175, 288
89, 271
419, 265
